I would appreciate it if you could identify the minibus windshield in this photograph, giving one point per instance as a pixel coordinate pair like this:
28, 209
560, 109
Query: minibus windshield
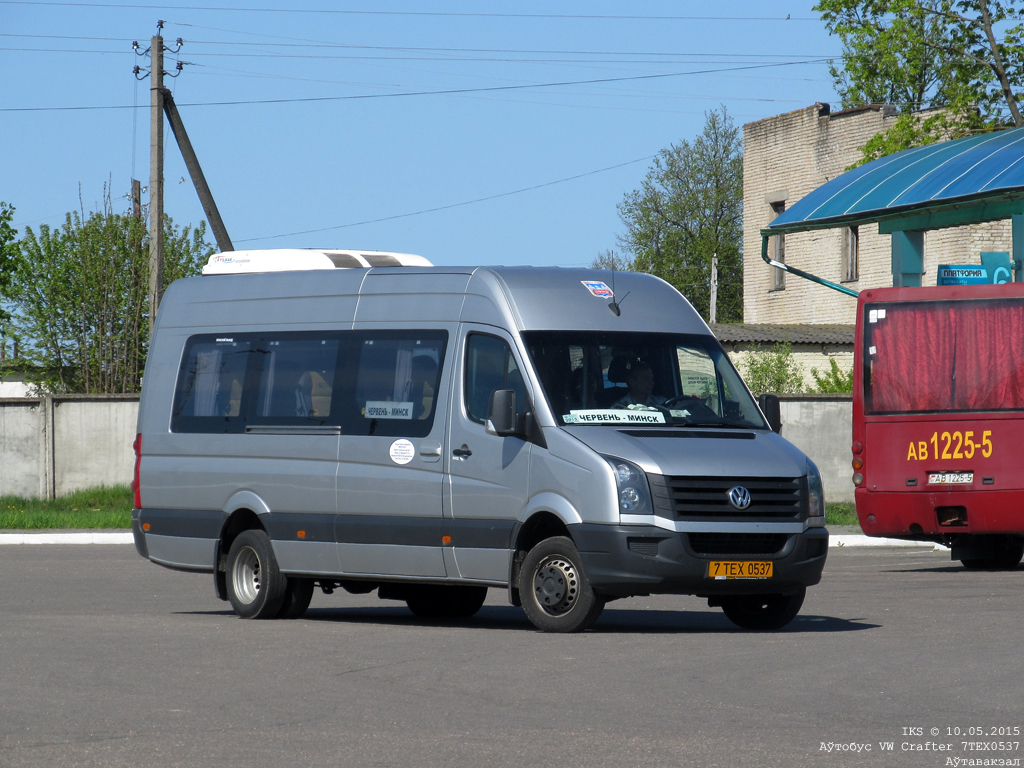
642, 379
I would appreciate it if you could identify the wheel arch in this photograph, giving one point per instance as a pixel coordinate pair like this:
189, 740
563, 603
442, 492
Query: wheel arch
547, 516
240, 518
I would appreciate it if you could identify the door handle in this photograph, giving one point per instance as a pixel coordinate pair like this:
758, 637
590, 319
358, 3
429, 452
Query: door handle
462, 452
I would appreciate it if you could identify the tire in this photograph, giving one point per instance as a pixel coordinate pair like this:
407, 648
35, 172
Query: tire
297, 596
470, 601
554, 589
1007, 552
256, 586
763, 611
431, 601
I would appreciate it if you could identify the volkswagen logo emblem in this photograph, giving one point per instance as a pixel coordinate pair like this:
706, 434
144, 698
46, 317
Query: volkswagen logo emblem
739, 497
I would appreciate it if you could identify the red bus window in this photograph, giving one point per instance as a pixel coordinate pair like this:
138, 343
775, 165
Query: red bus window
945, 356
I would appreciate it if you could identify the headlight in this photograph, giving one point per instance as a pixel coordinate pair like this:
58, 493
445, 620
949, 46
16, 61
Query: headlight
815, 497
631, 490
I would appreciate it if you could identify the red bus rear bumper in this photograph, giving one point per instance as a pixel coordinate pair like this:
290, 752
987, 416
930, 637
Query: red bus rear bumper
917, 514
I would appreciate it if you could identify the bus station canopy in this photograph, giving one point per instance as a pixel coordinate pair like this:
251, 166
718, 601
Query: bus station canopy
978, 178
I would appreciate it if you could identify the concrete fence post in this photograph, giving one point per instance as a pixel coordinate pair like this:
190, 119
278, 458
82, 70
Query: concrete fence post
49, 461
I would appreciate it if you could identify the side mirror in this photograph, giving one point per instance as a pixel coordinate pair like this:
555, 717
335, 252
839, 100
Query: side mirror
501, 413
769, 405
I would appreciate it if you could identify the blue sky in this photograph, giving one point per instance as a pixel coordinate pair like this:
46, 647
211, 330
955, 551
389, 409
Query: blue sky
464, 132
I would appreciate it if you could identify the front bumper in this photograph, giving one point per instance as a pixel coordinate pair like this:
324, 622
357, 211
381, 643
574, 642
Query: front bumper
629, 560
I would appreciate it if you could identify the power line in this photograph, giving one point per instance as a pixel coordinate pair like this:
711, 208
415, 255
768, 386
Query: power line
436, 54
452, 205
726, 59
208, 69
444, 92
334, 11
407, 48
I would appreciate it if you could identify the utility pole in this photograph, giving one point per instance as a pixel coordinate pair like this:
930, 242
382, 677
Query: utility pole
713, 313
156, 176
196, 172
136, 199
162, 102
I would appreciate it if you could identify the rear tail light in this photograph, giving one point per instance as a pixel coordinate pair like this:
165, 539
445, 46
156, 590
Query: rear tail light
136, 489
858, 464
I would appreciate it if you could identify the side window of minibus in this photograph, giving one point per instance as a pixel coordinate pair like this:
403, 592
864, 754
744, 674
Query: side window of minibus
396, 381
490, 365
209, 396
296, 378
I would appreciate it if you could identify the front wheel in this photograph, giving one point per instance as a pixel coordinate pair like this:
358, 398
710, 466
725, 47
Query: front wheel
555, 592
763, 611
256, 586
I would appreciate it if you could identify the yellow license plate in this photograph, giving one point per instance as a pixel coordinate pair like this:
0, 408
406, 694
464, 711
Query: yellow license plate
739, 569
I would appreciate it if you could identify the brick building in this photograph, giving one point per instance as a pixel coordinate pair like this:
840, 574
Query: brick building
784, 158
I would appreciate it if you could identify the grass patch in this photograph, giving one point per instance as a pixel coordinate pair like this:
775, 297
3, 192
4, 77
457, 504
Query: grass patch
840, 513
106, 507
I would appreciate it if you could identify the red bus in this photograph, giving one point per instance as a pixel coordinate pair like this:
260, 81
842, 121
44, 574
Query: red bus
938, 418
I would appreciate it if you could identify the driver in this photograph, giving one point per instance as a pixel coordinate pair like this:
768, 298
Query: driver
640, 381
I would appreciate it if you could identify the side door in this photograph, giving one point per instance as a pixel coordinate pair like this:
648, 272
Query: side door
390, 473
489, 475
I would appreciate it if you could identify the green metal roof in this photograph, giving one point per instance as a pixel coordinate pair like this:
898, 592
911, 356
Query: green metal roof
972, 172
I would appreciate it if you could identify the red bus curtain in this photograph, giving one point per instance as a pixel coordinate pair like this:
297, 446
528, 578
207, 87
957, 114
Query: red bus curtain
989, 356
912, 362
961, 356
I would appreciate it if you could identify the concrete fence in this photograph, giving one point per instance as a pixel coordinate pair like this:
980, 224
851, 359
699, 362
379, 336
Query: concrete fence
56, 444
53, 445
822, 427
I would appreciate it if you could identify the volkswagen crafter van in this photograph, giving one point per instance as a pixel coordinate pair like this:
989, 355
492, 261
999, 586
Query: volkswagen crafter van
365, 421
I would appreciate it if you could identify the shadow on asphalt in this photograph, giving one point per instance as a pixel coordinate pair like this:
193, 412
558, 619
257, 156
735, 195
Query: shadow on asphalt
612, 621
955, 568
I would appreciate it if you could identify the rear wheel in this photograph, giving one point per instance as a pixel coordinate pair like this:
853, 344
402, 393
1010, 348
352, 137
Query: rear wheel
763, 611
1004, 554
297, 596
555, 592
256, 586
470, 601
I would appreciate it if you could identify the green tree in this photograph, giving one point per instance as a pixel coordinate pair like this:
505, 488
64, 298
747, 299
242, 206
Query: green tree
8, 254
612, 260
961, 55
772, 370
79, 298
688, 209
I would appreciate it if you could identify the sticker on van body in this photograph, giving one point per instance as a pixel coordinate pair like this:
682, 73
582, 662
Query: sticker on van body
402, 451
387, 409
598, 288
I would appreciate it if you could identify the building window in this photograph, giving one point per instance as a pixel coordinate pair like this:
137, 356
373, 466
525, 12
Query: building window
851, 254
778, 250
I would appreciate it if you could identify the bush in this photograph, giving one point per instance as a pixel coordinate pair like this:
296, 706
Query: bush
834, 380
772, 370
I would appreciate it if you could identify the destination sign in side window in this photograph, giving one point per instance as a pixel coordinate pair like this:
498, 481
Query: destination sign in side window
397, 380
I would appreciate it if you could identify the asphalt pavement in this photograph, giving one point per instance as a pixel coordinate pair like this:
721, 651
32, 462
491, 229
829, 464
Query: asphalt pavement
113, 661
